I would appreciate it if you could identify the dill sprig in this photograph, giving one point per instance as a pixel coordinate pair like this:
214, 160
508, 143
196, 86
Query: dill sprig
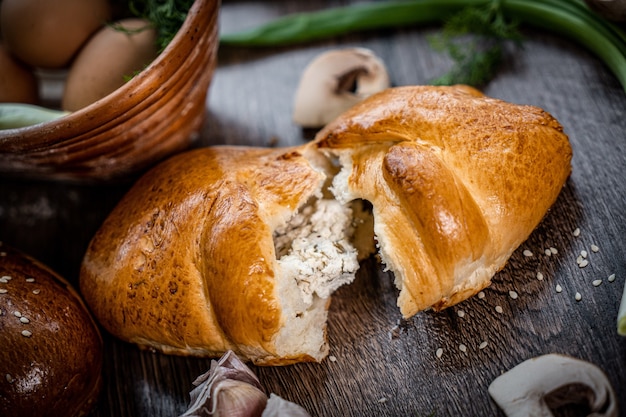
475, 39
167, 16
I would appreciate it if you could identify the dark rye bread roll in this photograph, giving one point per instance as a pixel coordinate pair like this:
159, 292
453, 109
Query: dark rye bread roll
239, 248
52, 351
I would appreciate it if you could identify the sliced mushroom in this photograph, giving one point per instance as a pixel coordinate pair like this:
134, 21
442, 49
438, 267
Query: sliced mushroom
335, 81
524, 390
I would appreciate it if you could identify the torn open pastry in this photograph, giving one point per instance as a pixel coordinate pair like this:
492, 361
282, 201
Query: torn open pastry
238, 248
224, 248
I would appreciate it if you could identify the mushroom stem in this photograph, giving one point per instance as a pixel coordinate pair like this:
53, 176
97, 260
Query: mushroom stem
522, 391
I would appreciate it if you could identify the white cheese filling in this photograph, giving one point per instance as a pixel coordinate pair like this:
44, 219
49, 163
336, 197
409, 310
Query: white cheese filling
314, 249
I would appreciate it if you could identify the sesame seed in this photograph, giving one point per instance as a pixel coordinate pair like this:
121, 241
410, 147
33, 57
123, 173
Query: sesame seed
9, 378
481, 295
596, 282
26, 333
382, 400
24, 320
539, 276
576, 232
37, 291
30, 279
332, 358
594, 248
578, 297
5, 279
583, 253
462, 348
483, 345
3, 290
611, 278
527, 253
439, 352
559, 288
460, 313
553, 250
513, 295
17, 314
547, 252
583, 263
499, 309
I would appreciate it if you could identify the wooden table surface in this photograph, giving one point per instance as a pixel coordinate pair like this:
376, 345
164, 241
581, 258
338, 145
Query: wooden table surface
386, 366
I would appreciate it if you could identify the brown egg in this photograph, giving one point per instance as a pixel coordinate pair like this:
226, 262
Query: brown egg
106, 61
47, 34
18, 84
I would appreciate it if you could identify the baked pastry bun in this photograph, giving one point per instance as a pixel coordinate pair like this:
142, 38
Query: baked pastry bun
223, 248
457, 182
239, 248
51, 358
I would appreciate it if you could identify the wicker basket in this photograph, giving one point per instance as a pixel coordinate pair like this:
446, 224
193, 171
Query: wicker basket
155, 114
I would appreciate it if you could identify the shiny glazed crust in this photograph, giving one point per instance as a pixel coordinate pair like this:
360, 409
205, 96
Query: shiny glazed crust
457, 181
185, 264
51, 348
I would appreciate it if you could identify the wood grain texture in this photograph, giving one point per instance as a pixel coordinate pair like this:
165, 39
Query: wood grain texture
386, 366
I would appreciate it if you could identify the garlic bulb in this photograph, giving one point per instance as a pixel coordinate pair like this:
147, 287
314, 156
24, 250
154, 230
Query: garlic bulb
231, 389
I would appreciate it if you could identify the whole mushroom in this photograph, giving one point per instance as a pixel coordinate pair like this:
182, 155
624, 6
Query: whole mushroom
335, 81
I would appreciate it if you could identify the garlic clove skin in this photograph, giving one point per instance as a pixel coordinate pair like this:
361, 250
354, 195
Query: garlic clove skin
279, 407
335, 81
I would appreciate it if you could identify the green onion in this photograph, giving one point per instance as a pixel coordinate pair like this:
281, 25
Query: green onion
570, 18
16, 115
311, 26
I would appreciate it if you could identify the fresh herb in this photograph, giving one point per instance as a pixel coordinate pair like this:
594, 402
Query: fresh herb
475, 38
621, 315
570, 18
167, 16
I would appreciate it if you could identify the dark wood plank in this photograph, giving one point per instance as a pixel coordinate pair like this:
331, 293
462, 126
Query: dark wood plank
386, 366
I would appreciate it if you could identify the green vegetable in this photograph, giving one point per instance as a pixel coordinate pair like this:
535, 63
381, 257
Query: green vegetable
621, 315
15, 115
570, 18
476, 57
167, 16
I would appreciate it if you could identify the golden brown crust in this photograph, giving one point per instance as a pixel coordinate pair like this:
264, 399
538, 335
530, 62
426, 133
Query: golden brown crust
457, 180
185, 263
51, 348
